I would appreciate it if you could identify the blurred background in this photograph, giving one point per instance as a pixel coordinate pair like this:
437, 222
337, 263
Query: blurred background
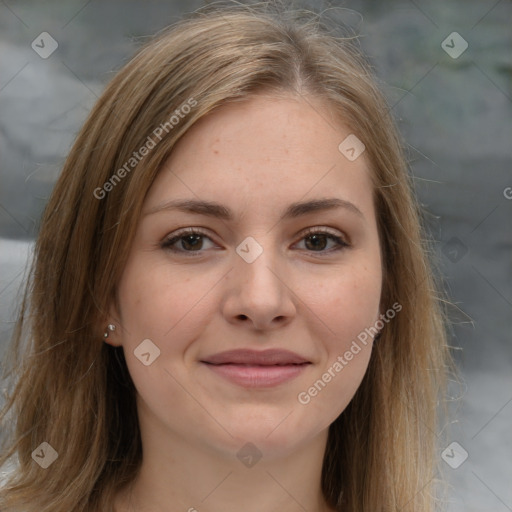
446, 69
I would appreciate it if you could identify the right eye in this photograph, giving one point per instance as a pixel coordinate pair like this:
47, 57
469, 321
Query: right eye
190, 239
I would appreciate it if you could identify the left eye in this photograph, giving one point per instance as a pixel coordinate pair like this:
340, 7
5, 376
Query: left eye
192, 241
318, 239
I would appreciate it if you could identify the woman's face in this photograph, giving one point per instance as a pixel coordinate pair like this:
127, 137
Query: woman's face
256, 280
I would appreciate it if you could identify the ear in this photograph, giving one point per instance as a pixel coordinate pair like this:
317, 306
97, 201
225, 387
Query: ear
113, 337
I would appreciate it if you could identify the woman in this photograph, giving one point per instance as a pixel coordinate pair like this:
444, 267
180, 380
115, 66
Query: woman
231, 305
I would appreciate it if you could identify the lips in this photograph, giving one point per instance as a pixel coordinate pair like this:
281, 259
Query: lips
270, 357
257, 369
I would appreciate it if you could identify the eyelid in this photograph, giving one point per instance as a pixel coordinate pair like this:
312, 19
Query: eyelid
186, 231
334, 232
340, 237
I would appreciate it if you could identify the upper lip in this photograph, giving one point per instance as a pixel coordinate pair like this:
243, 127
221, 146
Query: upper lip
265, 357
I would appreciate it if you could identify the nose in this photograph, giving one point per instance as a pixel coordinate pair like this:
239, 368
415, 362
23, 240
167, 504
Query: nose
259, 294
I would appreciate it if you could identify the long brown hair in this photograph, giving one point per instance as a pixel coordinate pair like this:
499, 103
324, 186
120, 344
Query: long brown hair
73, 391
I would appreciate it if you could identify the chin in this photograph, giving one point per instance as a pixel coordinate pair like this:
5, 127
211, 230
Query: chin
275, 435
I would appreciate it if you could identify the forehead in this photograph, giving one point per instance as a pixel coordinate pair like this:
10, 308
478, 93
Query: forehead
263, 153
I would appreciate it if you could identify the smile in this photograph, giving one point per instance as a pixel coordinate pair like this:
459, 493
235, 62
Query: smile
257, 376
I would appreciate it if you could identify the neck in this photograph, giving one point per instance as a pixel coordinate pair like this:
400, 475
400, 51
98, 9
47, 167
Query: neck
178, 476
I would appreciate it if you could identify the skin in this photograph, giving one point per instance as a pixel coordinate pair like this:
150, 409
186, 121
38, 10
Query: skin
255, 157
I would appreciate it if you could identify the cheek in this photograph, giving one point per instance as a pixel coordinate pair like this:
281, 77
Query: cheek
154, 300
169, 308
347, 302
156, 306
348, 306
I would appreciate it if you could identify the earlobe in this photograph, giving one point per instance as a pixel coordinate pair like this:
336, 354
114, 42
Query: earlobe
110, 328
109, 336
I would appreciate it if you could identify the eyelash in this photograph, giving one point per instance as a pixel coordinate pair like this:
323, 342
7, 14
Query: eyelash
167, 244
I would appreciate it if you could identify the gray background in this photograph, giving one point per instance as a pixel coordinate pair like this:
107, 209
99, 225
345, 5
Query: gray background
454, 114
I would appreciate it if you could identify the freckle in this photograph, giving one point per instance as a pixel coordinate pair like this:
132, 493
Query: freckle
216, 151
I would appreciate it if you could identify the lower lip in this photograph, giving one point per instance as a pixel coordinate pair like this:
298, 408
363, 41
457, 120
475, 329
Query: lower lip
257, 376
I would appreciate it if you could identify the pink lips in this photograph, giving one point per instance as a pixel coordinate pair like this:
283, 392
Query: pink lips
251, 368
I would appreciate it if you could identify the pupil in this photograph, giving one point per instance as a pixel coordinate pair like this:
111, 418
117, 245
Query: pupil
194, 244
316, 239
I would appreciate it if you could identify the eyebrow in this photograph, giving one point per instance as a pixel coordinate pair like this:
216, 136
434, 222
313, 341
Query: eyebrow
294, 210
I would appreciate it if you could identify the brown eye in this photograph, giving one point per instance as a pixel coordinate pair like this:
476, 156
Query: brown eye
186, 241
318, 241
191, 242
